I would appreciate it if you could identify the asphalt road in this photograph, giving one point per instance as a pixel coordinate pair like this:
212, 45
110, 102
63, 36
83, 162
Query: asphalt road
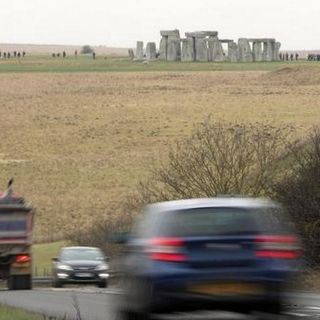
98, 304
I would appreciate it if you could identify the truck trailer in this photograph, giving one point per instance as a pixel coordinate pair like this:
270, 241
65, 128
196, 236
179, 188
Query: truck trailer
16, 224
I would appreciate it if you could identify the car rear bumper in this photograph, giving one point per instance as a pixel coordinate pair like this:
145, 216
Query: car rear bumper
178, 293
169, 302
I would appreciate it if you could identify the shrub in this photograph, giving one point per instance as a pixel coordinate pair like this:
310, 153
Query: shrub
299, 192
86, 49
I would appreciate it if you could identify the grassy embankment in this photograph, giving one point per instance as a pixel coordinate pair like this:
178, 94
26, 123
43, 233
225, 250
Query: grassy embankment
42, 255
9, 313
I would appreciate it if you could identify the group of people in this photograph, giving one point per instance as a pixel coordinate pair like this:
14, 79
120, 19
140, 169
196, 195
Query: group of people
313, 57
64, 54
58, 55
289, 57
14, 54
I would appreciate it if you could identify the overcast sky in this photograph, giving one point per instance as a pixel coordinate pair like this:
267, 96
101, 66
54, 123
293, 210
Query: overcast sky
120, 23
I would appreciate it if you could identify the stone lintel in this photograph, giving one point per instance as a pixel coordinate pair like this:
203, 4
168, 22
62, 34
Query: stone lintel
170, 33
261, 40
201, 34
226, 40
207, 33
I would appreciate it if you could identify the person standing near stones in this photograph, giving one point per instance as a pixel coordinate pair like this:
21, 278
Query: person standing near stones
23, 54
93, 55
8, 55
76, 53
64, 54
19, 55
287, 56
4, 55
297, 56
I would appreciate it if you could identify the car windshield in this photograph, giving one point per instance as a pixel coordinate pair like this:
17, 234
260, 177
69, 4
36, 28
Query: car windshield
215, 221
81, 254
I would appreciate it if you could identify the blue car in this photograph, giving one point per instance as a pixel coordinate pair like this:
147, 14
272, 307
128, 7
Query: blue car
234, 254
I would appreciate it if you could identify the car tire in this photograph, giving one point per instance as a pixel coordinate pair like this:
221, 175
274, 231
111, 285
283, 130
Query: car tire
135, 304
103, 284
23, 282
56, 283
271, 311
130, 315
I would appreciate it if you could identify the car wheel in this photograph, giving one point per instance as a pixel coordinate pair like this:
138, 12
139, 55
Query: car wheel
271, 311
103, 284
135, 302
56, 283
130, 315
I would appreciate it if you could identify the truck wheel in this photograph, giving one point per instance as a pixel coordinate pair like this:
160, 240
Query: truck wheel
23, 282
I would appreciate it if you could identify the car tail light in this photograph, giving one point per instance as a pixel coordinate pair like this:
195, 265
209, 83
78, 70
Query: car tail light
22, 258
166, 249
277, 247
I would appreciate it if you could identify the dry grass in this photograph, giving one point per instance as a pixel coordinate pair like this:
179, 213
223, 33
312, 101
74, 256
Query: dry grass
78, 143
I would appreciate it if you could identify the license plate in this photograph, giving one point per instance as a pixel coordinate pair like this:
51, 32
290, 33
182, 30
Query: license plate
83, 275
226, 289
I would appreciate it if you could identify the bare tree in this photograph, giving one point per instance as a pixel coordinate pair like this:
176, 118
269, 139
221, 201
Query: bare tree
220, 158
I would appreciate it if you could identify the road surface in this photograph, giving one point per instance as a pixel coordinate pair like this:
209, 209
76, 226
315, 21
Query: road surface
98, 304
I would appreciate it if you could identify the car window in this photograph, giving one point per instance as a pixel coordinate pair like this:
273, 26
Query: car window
80, 254
216, 221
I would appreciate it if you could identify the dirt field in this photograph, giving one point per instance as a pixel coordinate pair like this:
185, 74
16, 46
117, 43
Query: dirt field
78, 143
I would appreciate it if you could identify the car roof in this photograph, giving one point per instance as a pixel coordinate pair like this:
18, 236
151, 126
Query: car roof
230, 202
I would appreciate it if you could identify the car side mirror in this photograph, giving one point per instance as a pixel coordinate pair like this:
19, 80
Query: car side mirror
55, 259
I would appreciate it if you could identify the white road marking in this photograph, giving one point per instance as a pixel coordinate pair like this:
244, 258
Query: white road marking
297, 314
313, 308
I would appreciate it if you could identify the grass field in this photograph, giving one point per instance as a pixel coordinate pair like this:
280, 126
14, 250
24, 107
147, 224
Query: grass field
78, 142
104, 63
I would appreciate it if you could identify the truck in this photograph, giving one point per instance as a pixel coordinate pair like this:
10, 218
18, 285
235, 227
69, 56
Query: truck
16, 225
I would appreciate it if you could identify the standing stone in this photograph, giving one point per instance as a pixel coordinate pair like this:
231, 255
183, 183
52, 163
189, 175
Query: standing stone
244, 49
173, 49
201, 48
216, 50
151, 51
268, 51
163, 48
139, 51
188, 49
131, 54
232, 52
170, 46
277, 47
257, 51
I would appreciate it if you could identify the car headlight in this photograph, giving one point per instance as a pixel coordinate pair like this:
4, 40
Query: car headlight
64, 267
102, 267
